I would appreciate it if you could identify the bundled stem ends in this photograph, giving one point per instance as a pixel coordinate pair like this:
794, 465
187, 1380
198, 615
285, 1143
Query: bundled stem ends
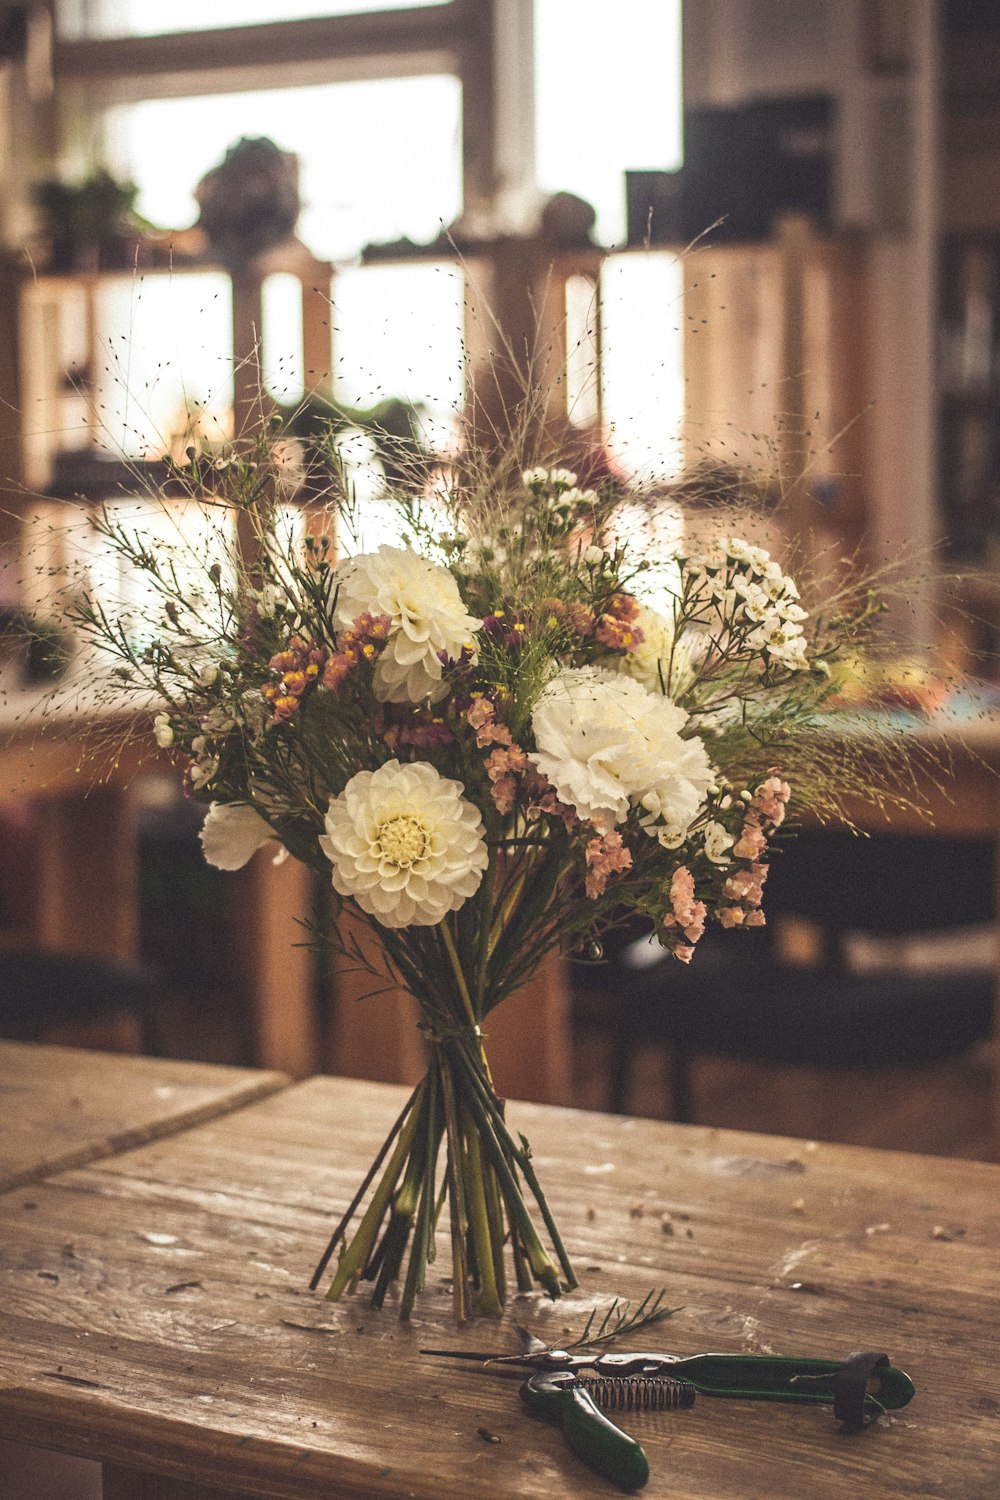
486, 1179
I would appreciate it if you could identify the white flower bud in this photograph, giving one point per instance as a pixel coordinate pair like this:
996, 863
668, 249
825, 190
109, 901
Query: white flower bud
163, 731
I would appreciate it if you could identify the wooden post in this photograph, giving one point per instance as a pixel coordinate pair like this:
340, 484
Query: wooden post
278, 965
87, 875
528, 1038
374, 1029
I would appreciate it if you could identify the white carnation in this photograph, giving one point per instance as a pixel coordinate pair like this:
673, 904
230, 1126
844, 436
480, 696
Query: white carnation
405, 844
604, 742
428, 619
232, 833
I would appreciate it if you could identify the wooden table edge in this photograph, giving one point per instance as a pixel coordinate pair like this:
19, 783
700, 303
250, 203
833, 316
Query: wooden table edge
260, 1088
130, 1461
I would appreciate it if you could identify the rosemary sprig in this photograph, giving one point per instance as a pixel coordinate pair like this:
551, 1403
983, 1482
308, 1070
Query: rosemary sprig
620, 1318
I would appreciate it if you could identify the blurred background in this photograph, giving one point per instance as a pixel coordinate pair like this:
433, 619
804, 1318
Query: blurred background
734, 234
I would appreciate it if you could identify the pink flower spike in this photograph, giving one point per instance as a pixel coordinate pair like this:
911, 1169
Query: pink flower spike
606, 855
752, 842
689, 913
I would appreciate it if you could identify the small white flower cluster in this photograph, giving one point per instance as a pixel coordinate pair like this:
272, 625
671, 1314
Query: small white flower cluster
718, 842
204, 762
557, 486
163, 731
758, 600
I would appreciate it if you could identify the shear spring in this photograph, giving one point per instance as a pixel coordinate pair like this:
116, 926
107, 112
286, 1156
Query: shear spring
640, 1393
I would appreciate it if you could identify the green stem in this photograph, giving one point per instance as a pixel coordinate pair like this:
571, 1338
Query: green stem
517, 1210
389, 1255
423, 1239
352, 1262
456, 1197
490, 1301
483, 956
463, 988
495, 1219
341, 1228
522, 1157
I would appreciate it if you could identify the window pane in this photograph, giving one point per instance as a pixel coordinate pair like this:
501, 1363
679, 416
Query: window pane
378, 160
281, 339
165, 370
607, 98
398, 333
642, 361
77, 19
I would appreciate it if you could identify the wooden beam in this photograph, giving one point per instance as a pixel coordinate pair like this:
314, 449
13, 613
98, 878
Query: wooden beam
369, 45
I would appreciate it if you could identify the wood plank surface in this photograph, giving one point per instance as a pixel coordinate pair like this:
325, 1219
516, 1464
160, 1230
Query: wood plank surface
60, 1107
155, 1315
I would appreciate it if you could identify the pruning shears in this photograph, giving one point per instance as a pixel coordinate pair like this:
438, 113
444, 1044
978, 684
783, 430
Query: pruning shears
569, 1388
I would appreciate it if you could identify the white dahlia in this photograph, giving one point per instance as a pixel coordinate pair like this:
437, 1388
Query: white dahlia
604, 742
405, 844
428, 619
232, 833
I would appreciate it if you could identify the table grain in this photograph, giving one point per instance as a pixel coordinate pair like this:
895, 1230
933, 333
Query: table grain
61, 1107
155, 1313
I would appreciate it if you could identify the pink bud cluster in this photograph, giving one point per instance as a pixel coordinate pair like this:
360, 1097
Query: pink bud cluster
509, 769
300, 666
744, 888
543, 801
506, 761
616, 628
361, 643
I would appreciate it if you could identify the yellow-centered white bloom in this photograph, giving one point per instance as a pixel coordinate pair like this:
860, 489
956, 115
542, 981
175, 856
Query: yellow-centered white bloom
232, 833
405, 844
428, 619
605, 743
718, 842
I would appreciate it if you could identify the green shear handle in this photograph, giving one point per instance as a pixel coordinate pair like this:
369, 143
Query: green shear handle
560, 1396
774, 1377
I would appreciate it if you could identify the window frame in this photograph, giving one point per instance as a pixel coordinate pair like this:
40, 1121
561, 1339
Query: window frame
457, 37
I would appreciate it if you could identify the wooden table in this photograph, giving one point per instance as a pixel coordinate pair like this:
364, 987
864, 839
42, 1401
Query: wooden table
154, 1314
57, 1109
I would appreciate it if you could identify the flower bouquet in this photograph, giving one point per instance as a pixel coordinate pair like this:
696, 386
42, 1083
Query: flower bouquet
500, 735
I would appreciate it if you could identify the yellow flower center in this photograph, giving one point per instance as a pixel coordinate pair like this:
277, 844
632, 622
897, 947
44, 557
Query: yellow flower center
402, 840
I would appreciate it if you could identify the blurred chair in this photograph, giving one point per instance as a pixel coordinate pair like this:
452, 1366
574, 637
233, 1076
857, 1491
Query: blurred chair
878, 952
42, 991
